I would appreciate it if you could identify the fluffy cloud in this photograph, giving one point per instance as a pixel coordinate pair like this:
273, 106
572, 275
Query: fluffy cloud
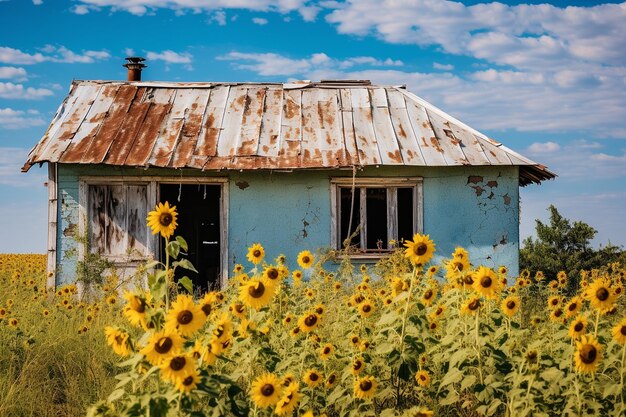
19, 119
50, 53
545, 147
12, 73
259, 21
18, 91
445, 67
170, 57
318, 65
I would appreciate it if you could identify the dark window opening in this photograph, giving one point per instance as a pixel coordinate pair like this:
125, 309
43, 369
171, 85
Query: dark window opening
405, 214
376, 216
348, 229
198, 207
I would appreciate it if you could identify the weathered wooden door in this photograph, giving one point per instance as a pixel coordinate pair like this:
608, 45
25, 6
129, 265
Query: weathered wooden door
198, 207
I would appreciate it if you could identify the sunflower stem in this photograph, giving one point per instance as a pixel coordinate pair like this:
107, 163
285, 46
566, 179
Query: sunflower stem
476, 334
167, 275
621, 374
530, 384
578, 395
596, 323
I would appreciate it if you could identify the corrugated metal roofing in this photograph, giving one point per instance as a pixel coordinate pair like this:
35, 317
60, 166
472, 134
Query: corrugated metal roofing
330, 124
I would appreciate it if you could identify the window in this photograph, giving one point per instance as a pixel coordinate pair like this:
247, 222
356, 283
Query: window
117, 220
371, 212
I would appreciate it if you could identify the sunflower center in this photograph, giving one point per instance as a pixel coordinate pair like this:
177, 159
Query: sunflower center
622, 330
119, 339
554, 302
306, 260
578, 327
359, 299
256, 291
331, 379
602, 294
572, 307
510, 305
558, 313
188, 381
166, 219
588, 354
314, 377
267, 390
138, 305
439, 311
163, 345
178, 363
366, 385
206, 308
433, 325
326, 350
310, 320
458, 266
468, 280
239, 308
272, 273
428, 294
357, 365
531, 356
367, 308
486, 282
355, 340
474, 305
185, 317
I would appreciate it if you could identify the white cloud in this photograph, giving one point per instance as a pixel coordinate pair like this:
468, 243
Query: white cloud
81, 9
13, 73
129, 52
37, 2
259, 21
218, 17
19, 119
543, 147
445, 67
50, 53
271, 64
18, 91
170, 57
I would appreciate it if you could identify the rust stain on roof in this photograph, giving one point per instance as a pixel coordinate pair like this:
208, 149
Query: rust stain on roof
256, 126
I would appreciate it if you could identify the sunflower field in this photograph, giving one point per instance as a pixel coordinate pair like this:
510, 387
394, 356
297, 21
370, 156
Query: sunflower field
404, 337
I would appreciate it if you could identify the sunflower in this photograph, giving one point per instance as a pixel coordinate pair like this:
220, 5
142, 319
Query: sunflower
432, 271
557, 315
510, 305
331, 380
185, 316
423, 378
486, 283
471, 305
312, 378
305, 259
256, 293
601, 295
326, 351
162, 345
308, 322
289, 401
366, 308
539, 276
294, 332
265, 390
238, 269
357, 366
578, 327
319, 309
188, 382
256, 253
135, 309
619, 332
420, 250
419, 412
118, 340
110, 300
207, 302
456, 267
365, 388
554, 301
573, 306
238, 310
271, 274
163, 220
354, 340
588, 354
223, 329
175, 367
428, 296
336, 285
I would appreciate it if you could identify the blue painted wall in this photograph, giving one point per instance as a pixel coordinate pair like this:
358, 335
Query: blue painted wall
474, 207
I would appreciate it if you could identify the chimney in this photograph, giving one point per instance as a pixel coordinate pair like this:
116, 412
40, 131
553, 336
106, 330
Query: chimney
134, 65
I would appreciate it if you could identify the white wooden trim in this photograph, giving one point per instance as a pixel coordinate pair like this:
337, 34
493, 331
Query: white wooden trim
392, 215
52, 225
363, 216
335, 216
224, 206
381, 182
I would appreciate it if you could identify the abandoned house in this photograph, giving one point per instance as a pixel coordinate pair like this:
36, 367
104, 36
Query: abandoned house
293, 166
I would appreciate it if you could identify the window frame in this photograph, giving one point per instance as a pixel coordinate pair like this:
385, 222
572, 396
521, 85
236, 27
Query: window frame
391, 184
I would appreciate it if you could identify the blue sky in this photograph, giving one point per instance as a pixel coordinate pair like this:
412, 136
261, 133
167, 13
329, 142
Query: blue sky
547, 80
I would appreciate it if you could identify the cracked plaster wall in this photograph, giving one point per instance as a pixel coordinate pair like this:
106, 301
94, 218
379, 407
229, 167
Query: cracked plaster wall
474, 207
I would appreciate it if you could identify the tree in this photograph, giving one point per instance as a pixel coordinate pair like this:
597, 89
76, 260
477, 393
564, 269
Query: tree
565, 246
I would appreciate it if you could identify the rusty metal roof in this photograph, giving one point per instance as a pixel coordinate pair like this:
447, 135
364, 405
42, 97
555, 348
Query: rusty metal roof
212, 126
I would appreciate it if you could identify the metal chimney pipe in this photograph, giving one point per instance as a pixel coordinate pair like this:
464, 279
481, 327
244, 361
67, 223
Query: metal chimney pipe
134, 65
